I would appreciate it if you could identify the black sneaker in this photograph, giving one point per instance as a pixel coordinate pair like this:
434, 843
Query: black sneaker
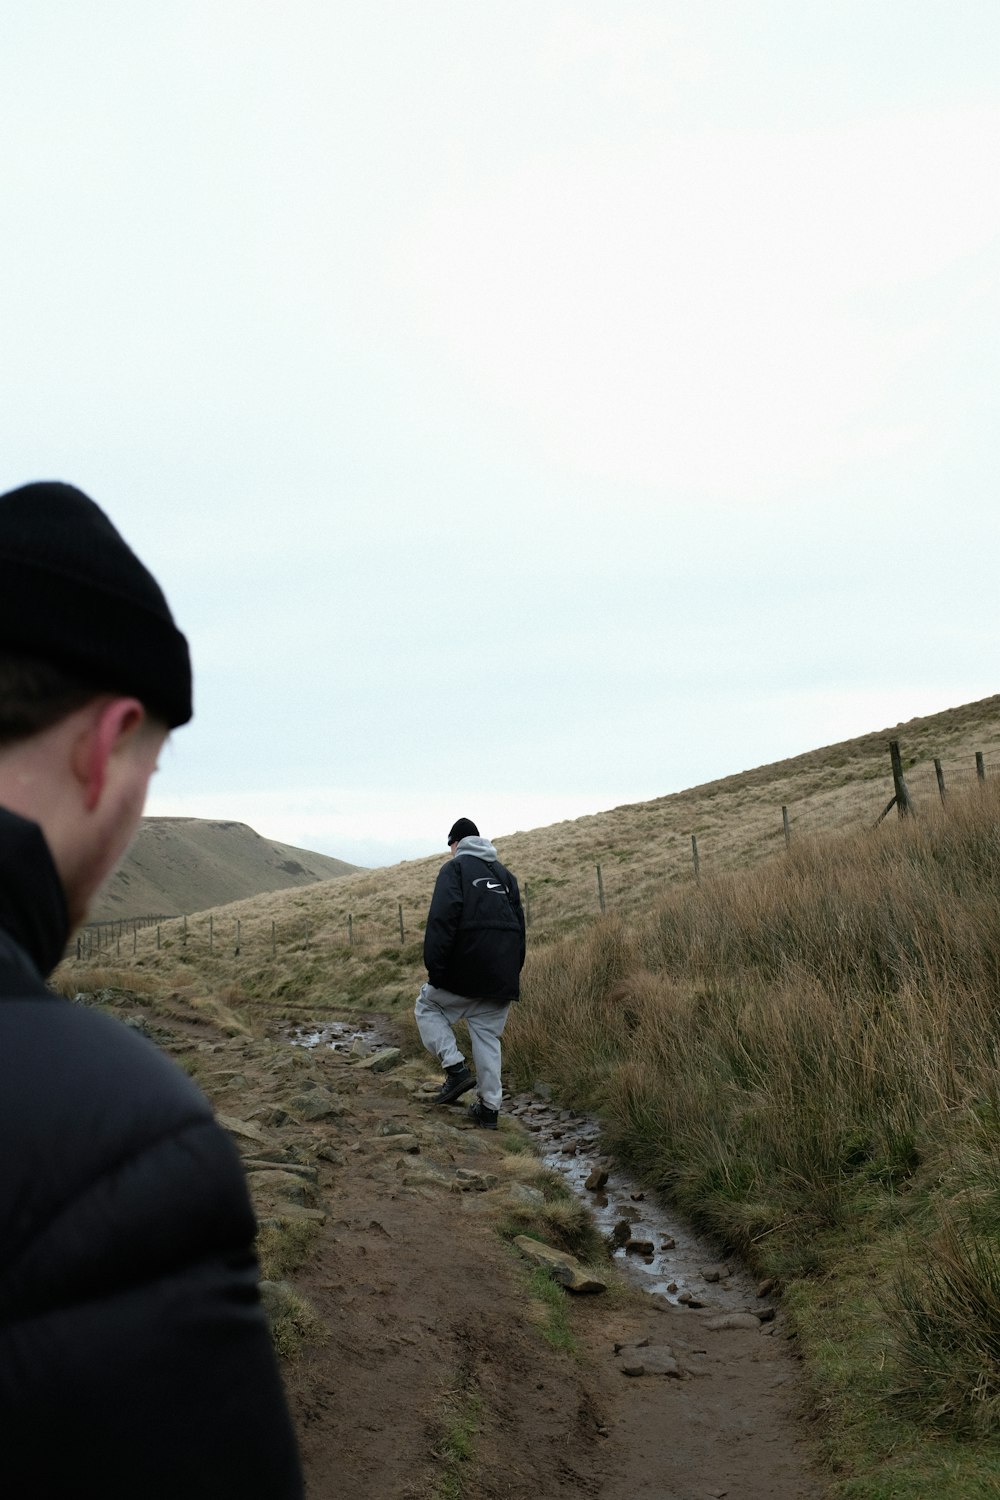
458, 1080
485, 1118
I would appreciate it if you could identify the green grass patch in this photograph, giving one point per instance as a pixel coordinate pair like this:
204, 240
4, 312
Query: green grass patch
551, 1301
456, 1448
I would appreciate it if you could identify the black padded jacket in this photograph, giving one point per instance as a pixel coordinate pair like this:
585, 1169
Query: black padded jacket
135, 1359
474, 943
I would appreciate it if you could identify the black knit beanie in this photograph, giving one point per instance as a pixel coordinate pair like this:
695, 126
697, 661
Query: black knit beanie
463, 829
74, 594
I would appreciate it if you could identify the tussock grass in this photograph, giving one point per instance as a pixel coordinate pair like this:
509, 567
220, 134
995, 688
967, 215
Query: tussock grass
805, 1057
283, 1245
644, 850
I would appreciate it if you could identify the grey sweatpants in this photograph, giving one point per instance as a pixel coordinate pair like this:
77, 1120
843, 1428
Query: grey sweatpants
438, 1010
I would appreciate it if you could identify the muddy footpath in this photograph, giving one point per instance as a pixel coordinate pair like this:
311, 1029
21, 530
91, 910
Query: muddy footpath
424, 1371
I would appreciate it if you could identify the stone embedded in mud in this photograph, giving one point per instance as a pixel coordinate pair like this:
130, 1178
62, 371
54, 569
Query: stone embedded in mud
466, 1180
520, 1192
291, 1213
262, 1164
562, 1266
642, 1359
273, 1185
715, 1273
427, 1178
245, 1129
621, 1233
727, 1321
597, 1179
387, 1144
317, 1103
360, 1048
382, 1061
639, 1247
767, 1286
663, 1366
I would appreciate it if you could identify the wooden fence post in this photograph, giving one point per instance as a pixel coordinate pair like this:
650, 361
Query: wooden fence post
211, 933
527, 906
939, 773
695, 859
273, 950
185, 930
157, 936
904, 805
980, 766
600, 888
350, 929
237, 953
786, 827
402, 930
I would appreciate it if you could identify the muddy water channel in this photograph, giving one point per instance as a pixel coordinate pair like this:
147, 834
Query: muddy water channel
652, 1245
340, 1036
655, 1248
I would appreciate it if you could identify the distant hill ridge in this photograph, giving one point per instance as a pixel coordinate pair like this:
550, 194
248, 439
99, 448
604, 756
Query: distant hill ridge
183, 865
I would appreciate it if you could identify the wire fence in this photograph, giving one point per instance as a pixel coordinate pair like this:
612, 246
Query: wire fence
552, 893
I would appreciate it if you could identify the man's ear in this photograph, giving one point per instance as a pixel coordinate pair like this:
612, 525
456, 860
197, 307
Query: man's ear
112, 721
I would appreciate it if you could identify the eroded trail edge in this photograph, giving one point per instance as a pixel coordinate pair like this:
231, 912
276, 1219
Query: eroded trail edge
437, 1378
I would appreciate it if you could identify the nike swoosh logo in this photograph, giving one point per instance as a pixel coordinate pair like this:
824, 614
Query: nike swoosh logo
489, 884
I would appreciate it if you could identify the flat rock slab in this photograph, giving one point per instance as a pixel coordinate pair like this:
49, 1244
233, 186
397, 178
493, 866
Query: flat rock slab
562, 1266
246, 1129
726, 1322
317, 1104
380, 1062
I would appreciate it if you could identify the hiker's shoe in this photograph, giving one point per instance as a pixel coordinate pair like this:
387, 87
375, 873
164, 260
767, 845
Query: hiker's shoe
485, 1118
458, 1080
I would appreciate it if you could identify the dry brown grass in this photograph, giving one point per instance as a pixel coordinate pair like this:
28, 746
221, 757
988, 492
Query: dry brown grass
806, 1056
644, 850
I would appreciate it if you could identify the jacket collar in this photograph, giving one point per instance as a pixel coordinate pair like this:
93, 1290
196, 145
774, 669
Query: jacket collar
32, 901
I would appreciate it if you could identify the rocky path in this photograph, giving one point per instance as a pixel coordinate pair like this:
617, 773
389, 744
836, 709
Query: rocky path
424, 1372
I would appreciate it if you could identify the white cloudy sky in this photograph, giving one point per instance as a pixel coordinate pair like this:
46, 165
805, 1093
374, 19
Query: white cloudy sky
528, 406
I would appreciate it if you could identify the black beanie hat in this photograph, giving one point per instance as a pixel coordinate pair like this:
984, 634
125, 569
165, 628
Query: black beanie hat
463, 829
74, 594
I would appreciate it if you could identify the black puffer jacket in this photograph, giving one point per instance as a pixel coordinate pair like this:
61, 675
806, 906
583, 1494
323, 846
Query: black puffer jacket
135, 1359
474, 943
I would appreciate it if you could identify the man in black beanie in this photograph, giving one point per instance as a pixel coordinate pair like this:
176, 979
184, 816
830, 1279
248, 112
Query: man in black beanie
474, 952
135, 1359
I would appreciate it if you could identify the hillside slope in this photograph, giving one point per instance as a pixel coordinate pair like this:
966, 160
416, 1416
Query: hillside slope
336, 939
178, 865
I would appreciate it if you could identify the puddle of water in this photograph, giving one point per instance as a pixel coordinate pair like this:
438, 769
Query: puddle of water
676, 1266
339, 1036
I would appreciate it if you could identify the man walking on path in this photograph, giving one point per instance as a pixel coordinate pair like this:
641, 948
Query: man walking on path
474, 951
135, 1358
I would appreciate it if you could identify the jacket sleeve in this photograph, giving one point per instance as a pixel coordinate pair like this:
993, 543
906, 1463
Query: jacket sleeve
443, 922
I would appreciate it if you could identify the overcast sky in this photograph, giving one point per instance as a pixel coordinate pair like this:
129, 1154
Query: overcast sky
527, 407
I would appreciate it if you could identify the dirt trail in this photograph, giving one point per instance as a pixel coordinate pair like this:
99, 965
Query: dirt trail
427, 1310
431, 1378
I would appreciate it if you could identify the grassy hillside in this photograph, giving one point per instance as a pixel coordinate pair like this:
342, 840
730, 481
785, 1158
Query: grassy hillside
190, 864
337, 941
803, 1051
